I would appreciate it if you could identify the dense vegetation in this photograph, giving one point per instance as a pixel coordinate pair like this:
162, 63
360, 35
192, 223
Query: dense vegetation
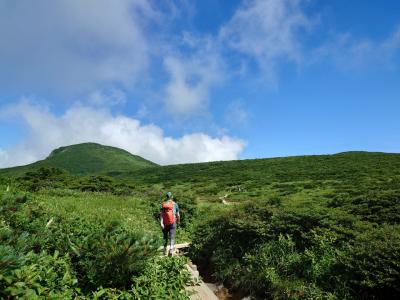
328, 229
65, 244
311, 227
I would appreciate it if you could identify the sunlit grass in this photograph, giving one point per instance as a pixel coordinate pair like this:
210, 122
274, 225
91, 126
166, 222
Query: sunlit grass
134, 212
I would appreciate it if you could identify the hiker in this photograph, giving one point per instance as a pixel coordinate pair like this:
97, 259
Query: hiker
169, 218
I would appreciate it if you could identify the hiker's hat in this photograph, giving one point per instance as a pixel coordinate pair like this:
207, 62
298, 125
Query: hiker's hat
169, 195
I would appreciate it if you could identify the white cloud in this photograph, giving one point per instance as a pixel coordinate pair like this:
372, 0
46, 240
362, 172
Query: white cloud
89, 47
347, 52
267, 31
86, 124
192, 76
72, 45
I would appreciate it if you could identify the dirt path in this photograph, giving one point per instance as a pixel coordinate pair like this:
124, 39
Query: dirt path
225, 201
201, 291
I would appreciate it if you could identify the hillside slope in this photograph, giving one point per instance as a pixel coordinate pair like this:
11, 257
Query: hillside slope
267, 170
86, 159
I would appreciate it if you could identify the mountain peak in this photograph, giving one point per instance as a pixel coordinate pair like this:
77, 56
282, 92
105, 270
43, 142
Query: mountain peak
88, 159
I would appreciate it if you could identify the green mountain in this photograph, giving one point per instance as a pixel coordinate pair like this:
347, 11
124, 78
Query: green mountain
86, 159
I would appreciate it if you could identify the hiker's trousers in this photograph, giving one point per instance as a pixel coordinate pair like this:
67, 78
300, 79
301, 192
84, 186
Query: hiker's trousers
169, 232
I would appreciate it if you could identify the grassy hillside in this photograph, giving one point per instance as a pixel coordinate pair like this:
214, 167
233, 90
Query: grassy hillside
86, 159
253, 179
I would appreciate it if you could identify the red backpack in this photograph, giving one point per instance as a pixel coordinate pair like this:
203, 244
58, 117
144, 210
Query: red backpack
168, 212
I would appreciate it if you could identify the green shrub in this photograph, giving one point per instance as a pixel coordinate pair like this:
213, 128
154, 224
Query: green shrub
37, 276
265, 270
188, 210
379, 207
108, 257
43, 178
163, 278
371, 264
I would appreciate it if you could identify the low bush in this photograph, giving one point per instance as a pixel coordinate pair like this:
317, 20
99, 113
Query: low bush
371, 263
33, 276
163, 279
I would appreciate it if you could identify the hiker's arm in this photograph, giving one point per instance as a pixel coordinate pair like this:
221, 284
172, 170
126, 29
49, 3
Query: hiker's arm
161, 220
178, 216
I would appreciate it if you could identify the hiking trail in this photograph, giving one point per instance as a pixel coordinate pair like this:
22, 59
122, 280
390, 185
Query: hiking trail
203, 290
200, 290
224, 200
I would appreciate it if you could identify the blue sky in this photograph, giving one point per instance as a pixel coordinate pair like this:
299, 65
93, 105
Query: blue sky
189, 81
